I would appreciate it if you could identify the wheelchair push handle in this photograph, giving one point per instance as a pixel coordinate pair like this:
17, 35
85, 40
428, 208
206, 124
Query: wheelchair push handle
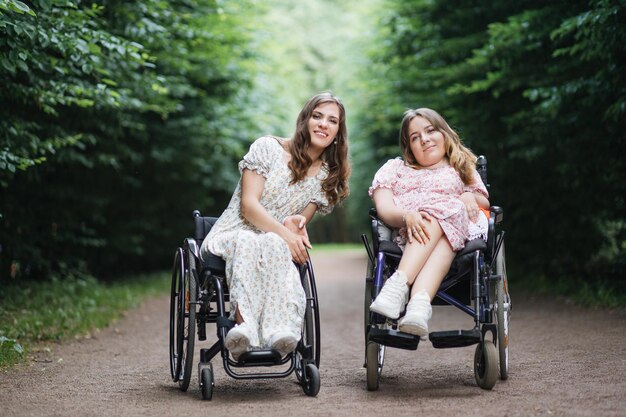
481, 167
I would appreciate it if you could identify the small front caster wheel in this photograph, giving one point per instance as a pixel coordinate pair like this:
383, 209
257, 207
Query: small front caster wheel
311, 380
486, 365
206, 382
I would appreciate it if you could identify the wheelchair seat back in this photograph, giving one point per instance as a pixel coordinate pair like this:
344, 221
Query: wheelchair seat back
214, 264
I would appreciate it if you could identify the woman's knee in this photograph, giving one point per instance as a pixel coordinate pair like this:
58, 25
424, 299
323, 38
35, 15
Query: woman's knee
273, 241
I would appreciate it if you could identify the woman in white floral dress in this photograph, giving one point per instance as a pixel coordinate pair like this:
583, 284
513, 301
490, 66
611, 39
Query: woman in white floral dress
435, 196
263, 232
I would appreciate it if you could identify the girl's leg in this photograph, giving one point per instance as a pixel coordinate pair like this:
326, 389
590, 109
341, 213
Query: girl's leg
416, 255
419, 309
435, 269
394, 294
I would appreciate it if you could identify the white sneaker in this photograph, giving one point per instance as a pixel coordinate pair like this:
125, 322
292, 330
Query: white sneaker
238, 340
284, 342
393, 296
418, 312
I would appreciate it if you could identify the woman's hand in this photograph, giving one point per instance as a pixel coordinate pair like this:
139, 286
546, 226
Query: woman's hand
470, 205
296, 224
416, 223
297, 237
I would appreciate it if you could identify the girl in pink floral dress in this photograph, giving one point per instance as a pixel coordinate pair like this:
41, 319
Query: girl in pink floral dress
433, 196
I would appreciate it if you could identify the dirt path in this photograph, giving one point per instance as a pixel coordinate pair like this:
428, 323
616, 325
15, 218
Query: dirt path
565, 361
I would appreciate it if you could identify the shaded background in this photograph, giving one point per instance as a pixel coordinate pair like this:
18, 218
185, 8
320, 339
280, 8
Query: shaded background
118, 119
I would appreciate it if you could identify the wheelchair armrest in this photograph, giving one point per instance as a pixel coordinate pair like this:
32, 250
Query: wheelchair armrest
380, 231
498, 213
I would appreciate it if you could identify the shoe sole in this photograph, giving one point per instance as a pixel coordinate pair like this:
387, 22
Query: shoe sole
414, 329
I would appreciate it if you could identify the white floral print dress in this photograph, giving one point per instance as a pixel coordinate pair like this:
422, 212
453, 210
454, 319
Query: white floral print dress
435, 191
263, 281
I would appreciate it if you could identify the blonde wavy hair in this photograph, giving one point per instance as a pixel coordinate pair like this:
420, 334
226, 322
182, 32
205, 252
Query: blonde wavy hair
335, 156
460, 157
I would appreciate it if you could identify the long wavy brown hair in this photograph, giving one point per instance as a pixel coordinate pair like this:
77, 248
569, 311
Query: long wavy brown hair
334, 156
460, 157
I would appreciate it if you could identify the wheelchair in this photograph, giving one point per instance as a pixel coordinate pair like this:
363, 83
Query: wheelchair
476, 283
199, 295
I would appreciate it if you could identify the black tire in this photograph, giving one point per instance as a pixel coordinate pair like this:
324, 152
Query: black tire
311, 329
175, 338
369, 283
374, 352
311, 323
187, 312
486, 365
503, 314
311, 380
375, 356
207, 382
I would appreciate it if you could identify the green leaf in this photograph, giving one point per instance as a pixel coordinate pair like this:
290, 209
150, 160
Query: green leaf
95, 49
8, 65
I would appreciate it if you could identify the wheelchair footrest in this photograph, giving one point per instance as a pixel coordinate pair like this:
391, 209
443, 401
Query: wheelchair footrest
454, 338
260, 358
393, 338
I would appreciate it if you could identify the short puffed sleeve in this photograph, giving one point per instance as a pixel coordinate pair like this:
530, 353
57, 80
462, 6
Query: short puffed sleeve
323, 206
386, 176
320, 199
261, 156
477, 185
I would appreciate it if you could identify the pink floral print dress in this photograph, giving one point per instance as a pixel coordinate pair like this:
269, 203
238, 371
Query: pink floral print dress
435, 191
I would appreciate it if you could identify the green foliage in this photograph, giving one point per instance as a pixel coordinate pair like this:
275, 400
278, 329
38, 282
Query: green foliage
15, 6
11, 352
539, 89
33, 312
117, 119
305, 47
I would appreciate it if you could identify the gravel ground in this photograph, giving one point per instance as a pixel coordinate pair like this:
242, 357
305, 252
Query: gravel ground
565, 361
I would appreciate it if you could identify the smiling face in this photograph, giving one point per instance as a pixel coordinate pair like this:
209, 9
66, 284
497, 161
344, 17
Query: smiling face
324, 124
426, 143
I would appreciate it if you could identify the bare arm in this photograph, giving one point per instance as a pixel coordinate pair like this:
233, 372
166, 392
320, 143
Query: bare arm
386, 208
253, 211
394, 216
483, 202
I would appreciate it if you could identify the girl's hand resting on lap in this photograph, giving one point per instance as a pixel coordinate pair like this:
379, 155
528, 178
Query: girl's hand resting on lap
470, 205
416, 223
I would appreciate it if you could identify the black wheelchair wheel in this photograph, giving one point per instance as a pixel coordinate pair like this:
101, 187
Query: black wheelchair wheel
175, 340
369, 283
207, 383
311, 330
311, 380
187, 313
311, 323
486, 365
503, 314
